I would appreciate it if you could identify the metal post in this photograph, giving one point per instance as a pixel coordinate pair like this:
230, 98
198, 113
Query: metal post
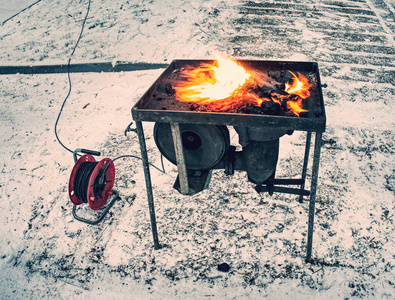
178, 148
144, 157
305, 163
314, 179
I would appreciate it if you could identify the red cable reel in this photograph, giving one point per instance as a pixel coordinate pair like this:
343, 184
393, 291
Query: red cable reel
92, 182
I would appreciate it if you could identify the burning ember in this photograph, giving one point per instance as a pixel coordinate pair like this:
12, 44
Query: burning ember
225, 86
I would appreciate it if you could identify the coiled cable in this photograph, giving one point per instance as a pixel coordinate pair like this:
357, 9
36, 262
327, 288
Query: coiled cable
82, 178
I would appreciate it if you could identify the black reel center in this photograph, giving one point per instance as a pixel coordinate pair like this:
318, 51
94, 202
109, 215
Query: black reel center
190, 140
100, 183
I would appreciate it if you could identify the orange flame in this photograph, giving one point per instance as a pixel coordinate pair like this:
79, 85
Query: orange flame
225, 85
296, 106
209, 82
300, 86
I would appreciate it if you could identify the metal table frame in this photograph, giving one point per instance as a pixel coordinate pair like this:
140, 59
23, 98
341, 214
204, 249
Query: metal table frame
315, 122
182, 172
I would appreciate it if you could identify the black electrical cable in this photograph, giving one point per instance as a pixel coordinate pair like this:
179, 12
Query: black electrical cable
102, 177
128, 128
81, 180
26, 8
69, 79
133, 156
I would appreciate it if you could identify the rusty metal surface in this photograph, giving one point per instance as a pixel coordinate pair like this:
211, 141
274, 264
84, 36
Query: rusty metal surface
172, 111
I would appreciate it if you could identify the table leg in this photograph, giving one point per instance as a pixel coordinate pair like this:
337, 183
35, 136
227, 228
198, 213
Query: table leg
305, 163
314, 179
144, 157
181, 166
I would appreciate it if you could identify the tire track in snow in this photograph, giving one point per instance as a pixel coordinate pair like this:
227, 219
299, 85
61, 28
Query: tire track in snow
389, 34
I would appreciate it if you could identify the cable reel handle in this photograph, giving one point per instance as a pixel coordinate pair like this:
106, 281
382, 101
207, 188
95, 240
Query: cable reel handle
85, 151
91, 152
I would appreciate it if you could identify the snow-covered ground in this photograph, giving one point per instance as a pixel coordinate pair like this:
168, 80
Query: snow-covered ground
10, 8
44, 252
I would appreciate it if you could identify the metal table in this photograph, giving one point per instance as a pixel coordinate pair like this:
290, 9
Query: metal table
314, 123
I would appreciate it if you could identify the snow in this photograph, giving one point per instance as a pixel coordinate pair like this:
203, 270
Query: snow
44, 252
11, 8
